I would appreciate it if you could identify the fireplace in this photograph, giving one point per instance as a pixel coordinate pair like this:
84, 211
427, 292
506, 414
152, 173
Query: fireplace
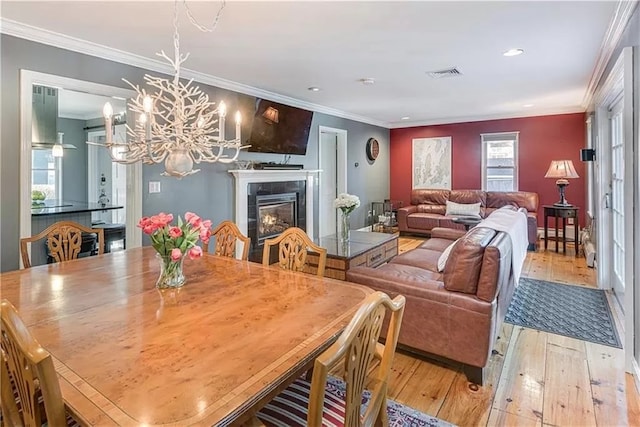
272, 208
252, 184
275, 213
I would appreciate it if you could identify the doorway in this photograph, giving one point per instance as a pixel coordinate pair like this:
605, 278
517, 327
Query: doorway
614, 186
134, 172
332, 155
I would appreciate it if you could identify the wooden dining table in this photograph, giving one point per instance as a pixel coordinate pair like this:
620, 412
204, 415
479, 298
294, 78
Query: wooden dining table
209, 353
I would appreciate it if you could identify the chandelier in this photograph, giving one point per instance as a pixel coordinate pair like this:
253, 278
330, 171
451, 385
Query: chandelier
176, 123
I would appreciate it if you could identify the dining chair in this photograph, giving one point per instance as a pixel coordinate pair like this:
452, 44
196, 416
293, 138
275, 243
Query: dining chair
28, 376
226, 235
293, 244
353, 352
64, 241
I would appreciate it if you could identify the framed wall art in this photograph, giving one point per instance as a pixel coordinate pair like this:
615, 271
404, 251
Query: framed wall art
431, 163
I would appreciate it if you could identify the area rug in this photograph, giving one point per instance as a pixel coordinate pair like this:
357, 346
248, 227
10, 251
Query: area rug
572, 311
288, 409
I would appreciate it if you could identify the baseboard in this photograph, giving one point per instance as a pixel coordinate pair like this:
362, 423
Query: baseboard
552, 232
636, 374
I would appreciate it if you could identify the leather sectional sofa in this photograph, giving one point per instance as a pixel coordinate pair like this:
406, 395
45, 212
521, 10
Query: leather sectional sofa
455, 314
428, 209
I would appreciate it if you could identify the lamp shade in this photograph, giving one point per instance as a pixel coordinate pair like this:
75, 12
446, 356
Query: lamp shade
561, 169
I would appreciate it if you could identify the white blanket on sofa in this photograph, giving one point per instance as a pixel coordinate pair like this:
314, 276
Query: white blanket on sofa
514, 223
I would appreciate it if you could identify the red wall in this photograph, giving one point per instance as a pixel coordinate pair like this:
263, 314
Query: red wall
542, 139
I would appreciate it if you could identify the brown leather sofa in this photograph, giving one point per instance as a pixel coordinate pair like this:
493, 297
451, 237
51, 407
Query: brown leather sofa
455, 314
428, 208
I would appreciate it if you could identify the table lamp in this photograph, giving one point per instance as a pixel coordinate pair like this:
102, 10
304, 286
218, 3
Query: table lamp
563, 170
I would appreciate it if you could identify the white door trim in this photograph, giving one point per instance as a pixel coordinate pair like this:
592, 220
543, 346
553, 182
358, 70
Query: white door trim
27, 80
341, 160
619, 81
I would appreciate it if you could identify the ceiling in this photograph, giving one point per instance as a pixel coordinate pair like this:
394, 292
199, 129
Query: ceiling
84, 106
283, 48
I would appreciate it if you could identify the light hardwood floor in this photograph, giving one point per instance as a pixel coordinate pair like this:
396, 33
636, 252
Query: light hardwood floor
535, 378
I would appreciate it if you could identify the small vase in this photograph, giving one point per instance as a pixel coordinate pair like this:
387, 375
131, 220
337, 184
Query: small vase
171, 275
344, 232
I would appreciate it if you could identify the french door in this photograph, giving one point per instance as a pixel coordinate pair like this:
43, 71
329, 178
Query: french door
617, 199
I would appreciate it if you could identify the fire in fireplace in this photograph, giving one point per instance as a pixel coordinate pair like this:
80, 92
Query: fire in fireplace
276, 213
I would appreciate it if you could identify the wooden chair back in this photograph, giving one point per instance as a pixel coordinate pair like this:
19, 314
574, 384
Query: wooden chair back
226, 236
356, 348
64, 240
31, 368
292, 250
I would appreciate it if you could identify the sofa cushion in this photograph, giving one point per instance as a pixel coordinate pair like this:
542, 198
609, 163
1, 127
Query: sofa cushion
470, 196
463, 209
432, 209
421, 258
442, 261
520, 199
437, 244
424, 221
463, 268
429, 197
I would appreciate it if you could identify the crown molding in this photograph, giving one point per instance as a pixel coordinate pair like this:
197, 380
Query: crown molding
487, 117
51, 38
617, 25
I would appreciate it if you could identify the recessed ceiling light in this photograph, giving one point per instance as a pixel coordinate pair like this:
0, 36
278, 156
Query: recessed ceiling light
405, 118
367, 81
527, 105
314, 89
513, 52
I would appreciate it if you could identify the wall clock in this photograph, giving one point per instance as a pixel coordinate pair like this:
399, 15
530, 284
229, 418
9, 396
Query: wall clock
373, 149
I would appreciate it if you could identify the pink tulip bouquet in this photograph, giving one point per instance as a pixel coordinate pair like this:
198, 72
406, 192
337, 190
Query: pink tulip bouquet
174, 242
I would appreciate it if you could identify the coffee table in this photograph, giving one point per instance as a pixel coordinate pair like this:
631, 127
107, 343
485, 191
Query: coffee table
370, 249
467, 221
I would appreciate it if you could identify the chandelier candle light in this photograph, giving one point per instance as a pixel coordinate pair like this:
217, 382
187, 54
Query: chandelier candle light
347, 203
176, 124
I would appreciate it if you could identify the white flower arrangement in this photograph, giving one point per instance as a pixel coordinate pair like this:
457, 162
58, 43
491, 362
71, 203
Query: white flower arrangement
347, 203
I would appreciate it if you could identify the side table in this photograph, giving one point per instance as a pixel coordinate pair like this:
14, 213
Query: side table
561, 212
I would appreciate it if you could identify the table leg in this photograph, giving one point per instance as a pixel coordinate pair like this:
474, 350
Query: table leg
564, 235
546, 231
575, 227
557, 237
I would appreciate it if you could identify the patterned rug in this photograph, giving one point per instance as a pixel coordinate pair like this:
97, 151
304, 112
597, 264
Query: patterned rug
572, 311
288, 409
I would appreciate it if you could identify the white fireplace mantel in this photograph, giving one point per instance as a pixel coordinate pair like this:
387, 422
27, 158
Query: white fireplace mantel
249, 176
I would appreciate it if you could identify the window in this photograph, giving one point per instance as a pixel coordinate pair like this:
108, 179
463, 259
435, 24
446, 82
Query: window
500, 161
46, 173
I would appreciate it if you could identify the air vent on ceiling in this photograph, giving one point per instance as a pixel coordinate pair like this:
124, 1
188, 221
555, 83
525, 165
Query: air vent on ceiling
449, 72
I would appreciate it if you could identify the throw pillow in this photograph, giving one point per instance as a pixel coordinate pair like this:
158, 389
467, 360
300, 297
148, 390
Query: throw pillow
461, 209
442, 261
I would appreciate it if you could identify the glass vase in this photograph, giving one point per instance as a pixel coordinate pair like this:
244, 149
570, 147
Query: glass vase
171, 275
344, 231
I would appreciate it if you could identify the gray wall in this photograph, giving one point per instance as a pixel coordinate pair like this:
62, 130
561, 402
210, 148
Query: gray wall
74, 162
208, 193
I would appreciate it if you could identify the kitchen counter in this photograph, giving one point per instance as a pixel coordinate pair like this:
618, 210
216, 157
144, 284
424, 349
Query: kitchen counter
55, 207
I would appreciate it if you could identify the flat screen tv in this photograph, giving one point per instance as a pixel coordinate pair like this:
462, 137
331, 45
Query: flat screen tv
279, 128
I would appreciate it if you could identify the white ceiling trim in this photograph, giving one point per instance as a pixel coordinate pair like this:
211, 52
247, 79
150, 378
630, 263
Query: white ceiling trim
624, 12
51, 38
483, 118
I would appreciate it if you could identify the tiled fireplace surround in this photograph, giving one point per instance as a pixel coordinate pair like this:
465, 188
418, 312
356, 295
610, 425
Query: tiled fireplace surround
252, 183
